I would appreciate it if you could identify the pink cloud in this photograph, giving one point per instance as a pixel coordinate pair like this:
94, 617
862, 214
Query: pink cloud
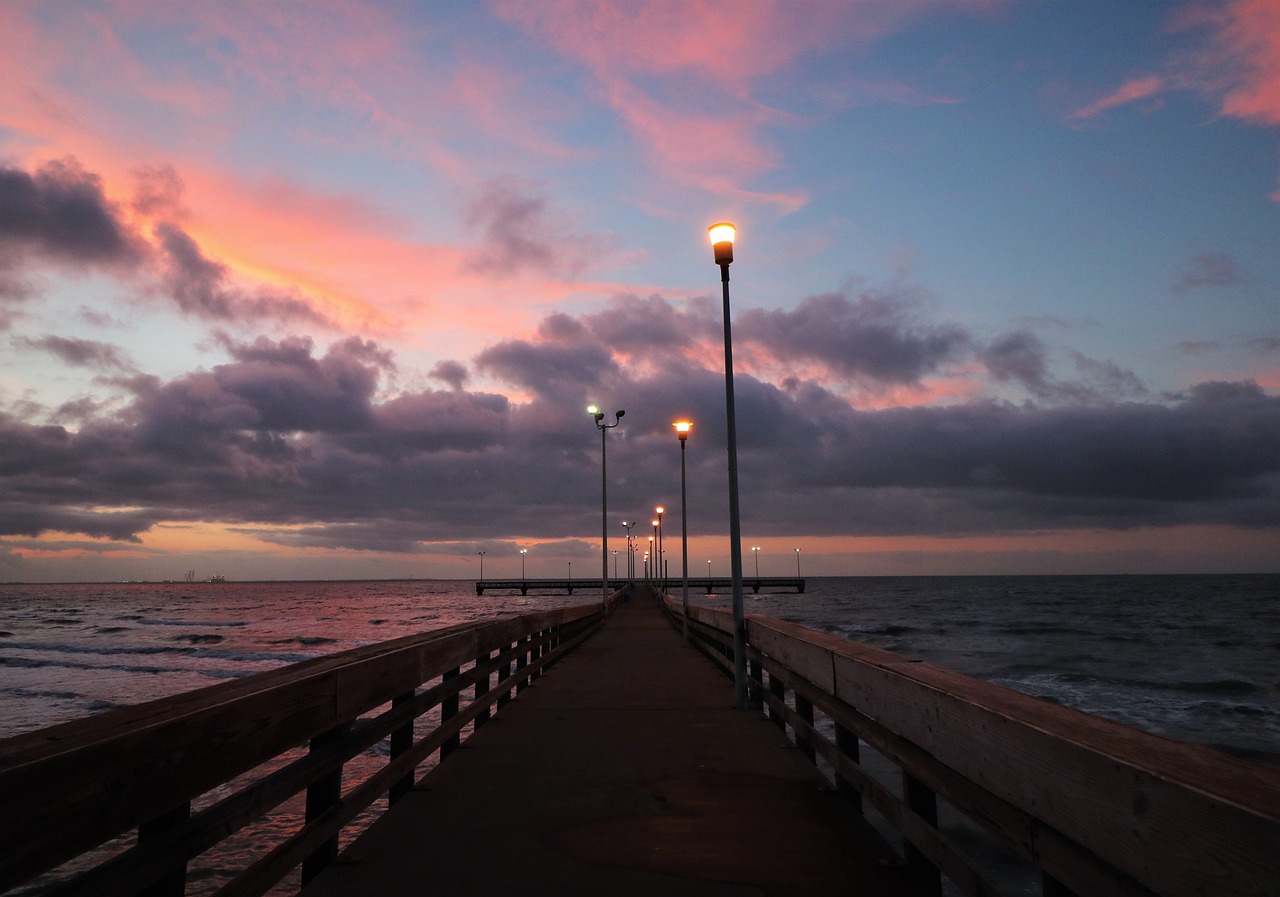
1247, 50
1129, 92
702, 125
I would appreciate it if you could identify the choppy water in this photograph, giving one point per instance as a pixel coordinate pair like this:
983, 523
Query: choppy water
1192, 657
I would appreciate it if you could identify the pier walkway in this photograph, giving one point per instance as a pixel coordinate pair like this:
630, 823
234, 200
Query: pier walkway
625, 770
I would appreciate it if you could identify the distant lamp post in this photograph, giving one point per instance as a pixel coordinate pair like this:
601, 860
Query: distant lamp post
598, 416
722, 236
615, 563
631, 559
662, 554
523, 552
653, 555
657, 553
481, 553
755, 551
682, 432
797, 563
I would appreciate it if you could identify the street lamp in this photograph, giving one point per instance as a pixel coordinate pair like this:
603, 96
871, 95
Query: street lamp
481, 553
722, 237
682, 431
523, 552
653, 555
631, 561
797, 563
615, 563
598, 416
755, 551
662, 554
657, 554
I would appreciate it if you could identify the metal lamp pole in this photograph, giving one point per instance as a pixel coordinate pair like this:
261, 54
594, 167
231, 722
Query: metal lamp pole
722, 236
598, 416
662, 554
682, 430
481, 553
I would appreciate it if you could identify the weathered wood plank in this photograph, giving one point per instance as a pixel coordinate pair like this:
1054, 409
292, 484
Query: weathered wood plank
1178, 818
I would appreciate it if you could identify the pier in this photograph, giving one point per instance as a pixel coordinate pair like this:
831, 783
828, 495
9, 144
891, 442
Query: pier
699, 584
592, 750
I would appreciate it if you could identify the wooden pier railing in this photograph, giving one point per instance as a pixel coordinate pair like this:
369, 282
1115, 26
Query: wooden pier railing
1101, 809
178, 775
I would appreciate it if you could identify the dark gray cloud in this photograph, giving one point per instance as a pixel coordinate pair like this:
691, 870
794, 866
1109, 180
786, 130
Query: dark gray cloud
201, 286
874, 338
59, 214
519, 233
1022, 358
451, 372
60, 211
79, 352
1208, 269
302, 441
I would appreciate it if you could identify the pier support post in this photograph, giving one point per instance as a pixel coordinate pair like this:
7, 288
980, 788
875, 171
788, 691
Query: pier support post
779, 691
448, 710
926, 879
847, 744
401, 742
173, 884
322, 796
804, 710
482, 689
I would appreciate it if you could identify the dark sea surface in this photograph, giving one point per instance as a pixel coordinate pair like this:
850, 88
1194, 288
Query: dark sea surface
1195, 658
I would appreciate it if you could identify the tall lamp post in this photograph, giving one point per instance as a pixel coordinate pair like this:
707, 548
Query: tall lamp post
523, 552
631, 561
662, 552
657, 554
682, 431
722, 236
598, 416
755, 551
797, 563
481, 553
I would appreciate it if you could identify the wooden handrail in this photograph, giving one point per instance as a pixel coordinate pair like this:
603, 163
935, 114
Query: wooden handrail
1100, 808
69, 788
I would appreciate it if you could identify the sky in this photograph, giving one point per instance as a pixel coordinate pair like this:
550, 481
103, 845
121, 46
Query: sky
311, 290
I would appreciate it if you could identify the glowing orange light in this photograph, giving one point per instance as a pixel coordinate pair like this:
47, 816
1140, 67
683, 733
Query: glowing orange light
722, 233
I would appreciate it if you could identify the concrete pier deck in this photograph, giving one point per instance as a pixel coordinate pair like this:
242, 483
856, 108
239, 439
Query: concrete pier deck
624, 770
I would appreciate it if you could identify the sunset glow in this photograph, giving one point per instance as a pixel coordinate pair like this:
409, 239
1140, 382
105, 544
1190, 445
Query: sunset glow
288, 294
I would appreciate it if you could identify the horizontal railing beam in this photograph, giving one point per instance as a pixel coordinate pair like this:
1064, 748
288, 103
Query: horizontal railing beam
71, 787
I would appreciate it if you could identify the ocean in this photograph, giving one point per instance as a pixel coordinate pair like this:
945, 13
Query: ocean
1194, 658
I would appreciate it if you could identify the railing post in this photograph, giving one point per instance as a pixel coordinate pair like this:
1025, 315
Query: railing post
804, 710
847, 744
482, 689
779, 691
401, 742
448, 710
755, 680
322, 795
174, 884
926, 880
504, 673
522, 663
